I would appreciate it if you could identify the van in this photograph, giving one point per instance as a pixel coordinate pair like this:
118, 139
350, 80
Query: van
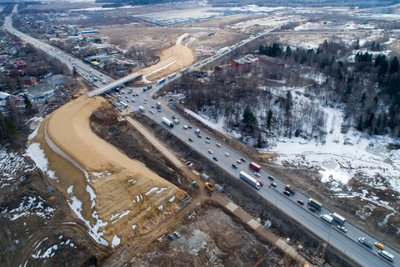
386, 255
197, 131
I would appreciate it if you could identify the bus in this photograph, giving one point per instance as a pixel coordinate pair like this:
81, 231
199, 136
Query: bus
124, 104
386, 255
316, 204
255, 166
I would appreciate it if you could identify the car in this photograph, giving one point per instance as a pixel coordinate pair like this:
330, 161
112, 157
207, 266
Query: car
151, 112
242, 160
199, 135
185, 127
214, 158
257, 174
207, 141
273, 184
152, 106
312, 209
177, 234
239, 161
174, 117
171, 237
300, 201
159, 110
285, 192
234, 166
188, 162
208, 138
190, 139
229, 194
218, 144
227, 154
190, 127
210, 151
342, 228
271, 177
379, 245
365, 242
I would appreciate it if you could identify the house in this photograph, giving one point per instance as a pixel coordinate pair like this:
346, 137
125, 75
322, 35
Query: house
40, 91
20, 64
28, 81
273, 62
56, 80
242, 65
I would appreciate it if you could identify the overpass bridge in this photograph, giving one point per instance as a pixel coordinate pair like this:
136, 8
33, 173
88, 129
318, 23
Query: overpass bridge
113, 84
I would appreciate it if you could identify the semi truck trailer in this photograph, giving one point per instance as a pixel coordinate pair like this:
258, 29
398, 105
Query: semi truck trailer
250, 180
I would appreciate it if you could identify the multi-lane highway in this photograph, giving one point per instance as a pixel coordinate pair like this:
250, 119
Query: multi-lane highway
345, 242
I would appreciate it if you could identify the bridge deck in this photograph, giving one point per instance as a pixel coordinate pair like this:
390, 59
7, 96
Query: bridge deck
114, 84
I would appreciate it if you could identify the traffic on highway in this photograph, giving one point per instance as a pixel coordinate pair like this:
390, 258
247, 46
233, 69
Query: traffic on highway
333, 229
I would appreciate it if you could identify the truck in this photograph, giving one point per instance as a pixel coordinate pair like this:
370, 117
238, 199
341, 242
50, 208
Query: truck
167, 122
338, 218
205, 177
161, 81
326, 217
176, 121
290, 188
255, 166
250, 180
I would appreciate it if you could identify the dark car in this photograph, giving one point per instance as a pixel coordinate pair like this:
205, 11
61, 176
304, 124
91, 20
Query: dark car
273, 184
242, 160
214, 158
190, 140
234, 166
300, 201
171, 237
271, 177
312, 209
286, 193
199, 135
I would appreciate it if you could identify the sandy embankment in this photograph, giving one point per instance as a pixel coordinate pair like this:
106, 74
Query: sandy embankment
172, 59
120, 183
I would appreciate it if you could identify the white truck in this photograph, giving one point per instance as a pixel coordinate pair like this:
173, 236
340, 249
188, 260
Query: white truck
338, 218
326, 217
250, 180
167, 122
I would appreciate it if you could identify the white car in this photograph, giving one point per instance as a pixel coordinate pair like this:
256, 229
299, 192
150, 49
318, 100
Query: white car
218, 144
185, 127
257, 174
227, 154
210, 151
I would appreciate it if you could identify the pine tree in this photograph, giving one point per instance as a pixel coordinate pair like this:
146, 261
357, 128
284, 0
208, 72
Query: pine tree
248, 117
394, 66
269, 119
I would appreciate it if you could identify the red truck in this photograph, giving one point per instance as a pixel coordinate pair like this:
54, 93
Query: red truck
290, 188
255, 166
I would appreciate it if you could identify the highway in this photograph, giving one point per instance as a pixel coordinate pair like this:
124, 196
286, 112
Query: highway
346, 243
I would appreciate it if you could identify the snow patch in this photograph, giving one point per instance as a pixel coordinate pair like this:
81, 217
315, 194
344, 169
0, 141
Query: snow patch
116, 241
37, 155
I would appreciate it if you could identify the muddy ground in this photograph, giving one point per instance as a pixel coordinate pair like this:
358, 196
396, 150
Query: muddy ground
210, 237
